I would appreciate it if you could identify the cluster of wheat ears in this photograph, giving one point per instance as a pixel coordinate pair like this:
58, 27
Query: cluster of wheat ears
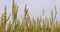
28, 25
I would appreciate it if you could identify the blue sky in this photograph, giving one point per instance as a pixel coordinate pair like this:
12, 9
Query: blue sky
35, 7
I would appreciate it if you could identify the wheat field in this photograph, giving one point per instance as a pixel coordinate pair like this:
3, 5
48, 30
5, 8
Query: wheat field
28, 25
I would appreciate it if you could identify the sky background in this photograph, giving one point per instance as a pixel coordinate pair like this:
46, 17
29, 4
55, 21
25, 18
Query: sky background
35, 7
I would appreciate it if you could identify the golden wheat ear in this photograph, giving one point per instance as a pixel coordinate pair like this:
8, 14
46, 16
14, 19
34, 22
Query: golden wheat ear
4, 16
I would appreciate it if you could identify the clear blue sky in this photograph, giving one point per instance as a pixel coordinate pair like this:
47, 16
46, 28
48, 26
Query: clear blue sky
35, 7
